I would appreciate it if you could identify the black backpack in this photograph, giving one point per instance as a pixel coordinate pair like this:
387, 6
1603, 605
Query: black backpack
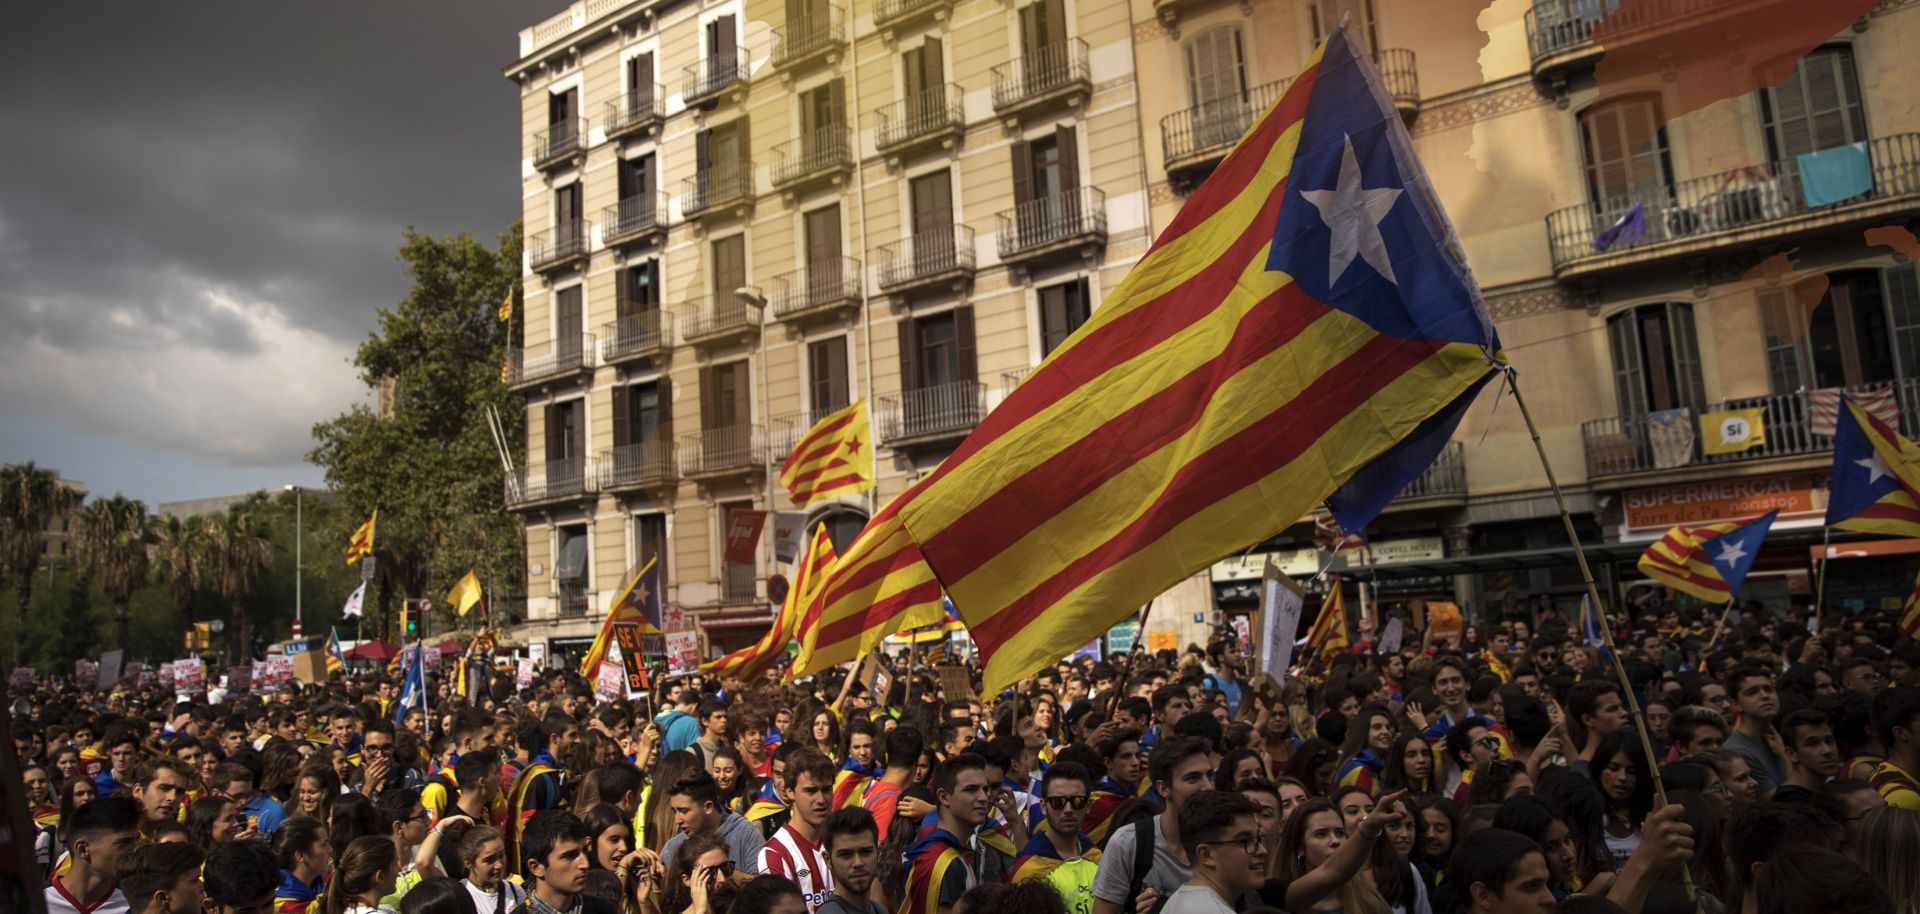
1143, 838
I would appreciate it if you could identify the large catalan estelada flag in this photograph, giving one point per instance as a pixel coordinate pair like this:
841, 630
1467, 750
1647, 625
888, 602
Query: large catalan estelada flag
1709, 561
361, 544
1304, 330
638, 602
754, 659
1876, 476
835, 458
881, 585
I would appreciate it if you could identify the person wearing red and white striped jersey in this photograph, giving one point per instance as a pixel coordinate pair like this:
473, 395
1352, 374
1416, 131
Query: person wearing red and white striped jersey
797, 851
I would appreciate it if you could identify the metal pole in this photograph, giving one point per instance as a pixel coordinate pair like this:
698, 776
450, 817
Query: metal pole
299, 558
1600, 614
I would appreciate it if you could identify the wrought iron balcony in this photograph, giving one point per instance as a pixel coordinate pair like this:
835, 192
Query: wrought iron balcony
559, 142
929, 414
551, 482
1195, 140
1053, 223
1558, 25
706, 79
935, 257
894, 12
1051, 72
789, 429
1561, 33
1670, 440
721, 186
564, 358
809, 39
1447, 475
641, 334
558, 247
934, 115
1401, 76
730, 319
723, 451
826, 151
647, 464
1754, 204
642, 217
635, 112
817, 288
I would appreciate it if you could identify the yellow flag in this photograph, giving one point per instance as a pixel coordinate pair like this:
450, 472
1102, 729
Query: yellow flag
506, 307
465, 593
1732, 431
361, 544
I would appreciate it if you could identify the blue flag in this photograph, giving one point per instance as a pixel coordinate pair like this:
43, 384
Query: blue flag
413, 691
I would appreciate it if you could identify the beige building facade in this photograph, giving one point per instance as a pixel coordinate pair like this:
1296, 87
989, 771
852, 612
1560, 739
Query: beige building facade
741, 215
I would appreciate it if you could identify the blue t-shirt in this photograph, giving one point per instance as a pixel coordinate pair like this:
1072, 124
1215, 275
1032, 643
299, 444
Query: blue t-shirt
267, 812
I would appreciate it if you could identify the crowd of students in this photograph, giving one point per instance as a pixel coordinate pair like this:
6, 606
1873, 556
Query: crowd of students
1502, 775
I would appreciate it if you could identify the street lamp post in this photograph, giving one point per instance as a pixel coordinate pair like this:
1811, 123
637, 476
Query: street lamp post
299, 558
752, 297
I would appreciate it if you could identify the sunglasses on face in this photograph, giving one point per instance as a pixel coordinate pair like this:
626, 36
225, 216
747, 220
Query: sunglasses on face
1491, 742
724, 869
1058, 804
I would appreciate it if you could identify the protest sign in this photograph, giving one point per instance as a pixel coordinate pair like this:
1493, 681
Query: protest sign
1280, 609
683, 653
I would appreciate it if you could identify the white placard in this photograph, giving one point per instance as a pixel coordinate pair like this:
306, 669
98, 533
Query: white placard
1280, 619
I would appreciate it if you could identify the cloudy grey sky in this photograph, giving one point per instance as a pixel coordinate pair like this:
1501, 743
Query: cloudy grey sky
199, 212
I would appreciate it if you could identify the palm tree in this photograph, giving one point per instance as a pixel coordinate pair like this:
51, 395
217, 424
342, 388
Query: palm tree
30, 498
178, 560
112, 535
235, 549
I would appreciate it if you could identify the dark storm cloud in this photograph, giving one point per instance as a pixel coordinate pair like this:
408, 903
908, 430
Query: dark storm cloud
270, 152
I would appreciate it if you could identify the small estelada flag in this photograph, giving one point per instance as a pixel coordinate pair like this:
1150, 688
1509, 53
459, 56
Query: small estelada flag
834, 458
361, 544
506, 307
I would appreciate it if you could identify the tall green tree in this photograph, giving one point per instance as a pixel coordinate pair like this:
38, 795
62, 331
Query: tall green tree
431, 467
234, 550
178, 560
111, 536
30, 498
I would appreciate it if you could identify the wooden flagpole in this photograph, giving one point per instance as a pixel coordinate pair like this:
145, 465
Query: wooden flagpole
1820, 581
1600, 614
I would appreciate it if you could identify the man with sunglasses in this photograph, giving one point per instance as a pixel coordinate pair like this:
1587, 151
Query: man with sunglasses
1060, 852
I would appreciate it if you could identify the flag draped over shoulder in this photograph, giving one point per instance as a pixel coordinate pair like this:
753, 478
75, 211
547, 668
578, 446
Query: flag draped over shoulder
638, 602
751, 661
1709, 561
1303, 330
835, 458
1876, 475
360, 545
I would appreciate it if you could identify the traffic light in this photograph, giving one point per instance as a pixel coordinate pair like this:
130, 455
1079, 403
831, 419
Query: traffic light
406, 627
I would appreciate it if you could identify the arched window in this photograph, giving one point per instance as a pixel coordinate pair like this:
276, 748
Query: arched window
1623, 144
843, 525
1656, 359
1816, 108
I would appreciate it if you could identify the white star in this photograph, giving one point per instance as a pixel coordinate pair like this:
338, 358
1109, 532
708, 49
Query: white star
1875, 468
1353, 214
1731, 553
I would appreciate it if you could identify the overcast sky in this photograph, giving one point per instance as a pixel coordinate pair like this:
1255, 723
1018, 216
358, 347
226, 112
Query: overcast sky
199, 213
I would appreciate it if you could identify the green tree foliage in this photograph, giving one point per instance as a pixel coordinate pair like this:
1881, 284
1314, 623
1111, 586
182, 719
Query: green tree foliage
431, 467
29, 498
110, 538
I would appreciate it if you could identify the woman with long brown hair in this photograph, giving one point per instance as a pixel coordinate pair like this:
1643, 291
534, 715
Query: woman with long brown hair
361, 877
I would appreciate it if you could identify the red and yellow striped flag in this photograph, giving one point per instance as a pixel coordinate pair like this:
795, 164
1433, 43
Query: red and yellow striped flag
1328, 636
1910, 616
751, 661
880, 586
360, 545
1303, 325
835, 458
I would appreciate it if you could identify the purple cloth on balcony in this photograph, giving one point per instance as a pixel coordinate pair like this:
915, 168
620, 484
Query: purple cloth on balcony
1832, 175
1631, 227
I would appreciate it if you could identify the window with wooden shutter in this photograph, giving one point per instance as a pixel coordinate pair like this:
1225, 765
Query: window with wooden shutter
1902, 284
721, 42
1816, 108
1656, 359
622, 428
1325, 14
640, 83
1063, 308
729, 269
938, 357
827, 375
910, 378
1625, 148
569, 331
1781, 332
1217, 86
650, 543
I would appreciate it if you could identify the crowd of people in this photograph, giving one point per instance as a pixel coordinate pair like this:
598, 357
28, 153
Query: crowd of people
1499, 775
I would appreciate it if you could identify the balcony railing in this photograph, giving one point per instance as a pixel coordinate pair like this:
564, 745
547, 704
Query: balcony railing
638, 216
1203, 134
1745, 198
638, 335
1447, 475
1672, 440
705, 79
559, 246
810, 37
1556, 25
822, 284
789, 429
729, 449
569, 354
721, 185
1036, 226
1401, 77
944, 410
558, 141
737, 584
1050, 70
635, 111
930, 256
554, 480
721, 320
917, 117
630, 466
824, 151
889, 12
